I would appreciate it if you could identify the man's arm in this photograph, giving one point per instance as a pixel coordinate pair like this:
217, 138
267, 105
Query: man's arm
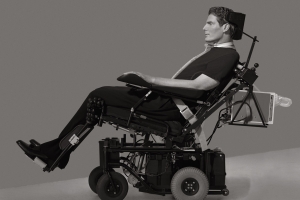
216, 70
202, 82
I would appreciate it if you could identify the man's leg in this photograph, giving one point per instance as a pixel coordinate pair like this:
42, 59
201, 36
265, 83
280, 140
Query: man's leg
110, 95
156, 107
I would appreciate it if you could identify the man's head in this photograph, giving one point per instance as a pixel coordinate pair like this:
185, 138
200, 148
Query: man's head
217, 29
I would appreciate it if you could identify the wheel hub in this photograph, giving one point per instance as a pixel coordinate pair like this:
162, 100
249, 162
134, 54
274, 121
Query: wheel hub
190, 186
110, 189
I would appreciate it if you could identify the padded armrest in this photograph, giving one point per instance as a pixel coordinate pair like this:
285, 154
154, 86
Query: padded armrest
135, 80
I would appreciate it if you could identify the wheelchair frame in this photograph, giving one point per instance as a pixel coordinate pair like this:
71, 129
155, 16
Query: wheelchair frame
110, 149
154, 180
212, 163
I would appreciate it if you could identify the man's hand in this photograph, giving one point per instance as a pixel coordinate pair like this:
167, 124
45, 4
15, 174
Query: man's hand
147, 78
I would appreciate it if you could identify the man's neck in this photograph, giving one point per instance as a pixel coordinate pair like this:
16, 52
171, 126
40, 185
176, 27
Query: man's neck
228, 44
222, 40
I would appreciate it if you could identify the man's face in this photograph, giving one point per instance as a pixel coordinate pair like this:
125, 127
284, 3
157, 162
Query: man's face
212, 29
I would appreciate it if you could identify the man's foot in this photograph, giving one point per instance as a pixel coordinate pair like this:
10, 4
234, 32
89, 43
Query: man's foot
29, 150
34, 143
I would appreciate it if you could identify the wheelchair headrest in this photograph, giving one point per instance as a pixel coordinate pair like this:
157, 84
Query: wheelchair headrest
237, 20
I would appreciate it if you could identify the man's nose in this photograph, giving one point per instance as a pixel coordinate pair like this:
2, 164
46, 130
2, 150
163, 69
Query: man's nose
204, 27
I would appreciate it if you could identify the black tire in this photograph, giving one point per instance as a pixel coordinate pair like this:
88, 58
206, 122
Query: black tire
225, 192
189, 183
94, 177
104, 187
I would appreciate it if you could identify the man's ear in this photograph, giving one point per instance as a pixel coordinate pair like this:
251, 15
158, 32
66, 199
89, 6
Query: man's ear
226, 27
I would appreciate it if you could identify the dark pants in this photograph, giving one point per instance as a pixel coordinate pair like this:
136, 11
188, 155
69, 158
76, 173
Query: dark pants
157, 107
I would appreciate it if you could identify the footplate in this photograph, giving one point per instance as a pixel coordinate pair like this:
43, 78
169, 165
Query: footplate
39, 162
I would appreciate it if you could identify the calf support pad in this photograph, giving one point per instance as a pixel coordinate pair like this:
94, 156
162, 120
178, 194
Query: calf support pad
76, 134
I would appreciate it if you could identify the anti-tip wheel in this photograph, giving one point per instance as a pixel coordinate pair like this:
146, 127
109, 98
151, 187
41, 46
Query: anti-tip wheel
225, 192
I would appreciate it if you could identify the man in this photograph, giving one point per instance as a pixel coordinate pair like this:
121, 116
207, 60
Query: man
203, 72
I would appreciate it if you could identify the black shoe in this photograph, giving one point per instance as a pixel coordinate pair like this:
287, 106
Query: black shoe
34, 143
29, 150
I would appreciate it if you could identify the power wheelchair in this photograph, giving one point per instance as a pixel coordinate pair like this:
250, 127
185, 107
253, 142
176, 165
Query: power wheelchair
175, 165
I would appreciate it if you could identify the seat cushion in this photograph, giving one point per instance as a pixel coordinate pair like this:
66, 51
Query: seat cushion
120, 117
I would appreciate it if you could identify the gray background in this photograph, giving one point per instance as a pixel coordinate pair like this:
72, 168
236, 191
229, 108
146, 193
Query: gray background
53, 53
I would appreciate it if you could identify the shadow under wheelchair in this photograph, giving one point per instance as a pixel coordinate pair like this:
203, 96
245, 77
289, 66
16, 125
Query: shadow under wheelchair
239, 188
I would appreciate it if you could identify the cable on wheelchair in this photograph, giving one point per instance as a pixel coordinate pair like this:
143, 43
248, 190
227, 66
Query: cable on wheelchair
129, 164
139, 140
131, 160
153, 138
232, 105
183, 148
186, 144
143, 138
134, 108
219, 120
132, 164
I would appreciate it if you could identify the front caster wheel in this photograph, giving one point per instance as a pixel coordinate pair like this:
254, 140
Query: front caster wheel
189, 183
106, 190
94, 177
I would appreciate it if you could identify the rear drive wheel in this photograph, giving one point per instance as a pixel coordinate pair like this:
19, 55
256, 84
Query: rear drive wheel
189, 183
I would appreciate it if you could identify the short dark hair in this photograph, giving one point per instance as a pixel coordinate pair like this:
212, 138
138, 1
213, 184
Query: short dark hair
221, 14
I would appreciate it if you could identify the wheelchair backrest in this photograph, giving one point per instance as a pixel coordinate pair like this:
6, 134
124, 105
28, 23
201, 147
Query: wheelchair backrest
212, 97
